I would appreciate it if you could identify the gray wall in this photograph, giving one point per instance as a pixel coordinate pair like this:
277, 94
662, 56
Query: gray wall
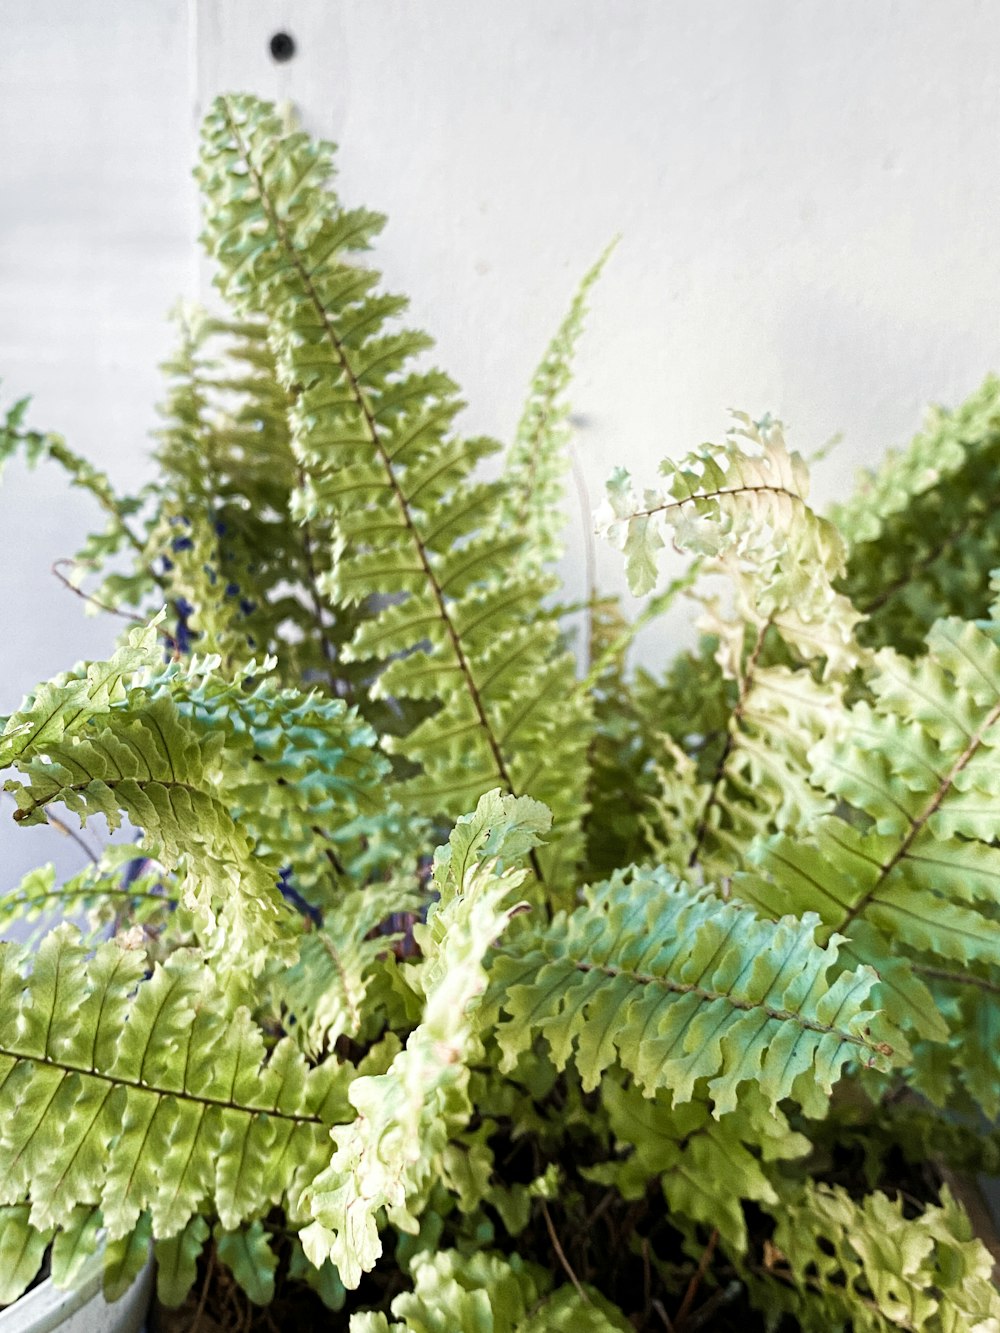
806, 194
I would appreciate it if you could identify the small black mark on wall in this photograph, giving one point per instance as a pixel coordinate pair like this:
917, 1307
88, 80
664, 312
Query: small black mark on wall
282, 46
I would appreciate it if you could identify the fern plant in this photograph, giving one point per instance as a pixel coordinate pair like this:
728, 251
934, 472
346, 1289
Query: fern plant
443, 978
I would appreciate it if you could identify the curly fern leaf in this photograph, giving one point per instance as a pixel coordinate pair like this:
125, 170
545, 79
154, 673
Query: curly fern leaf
706, 1167
457, 624
744, 504
837, 1264
532, 503
922, 530
22, 1250
386, 1158
301, 772
64, 706
233, 782
471, 1293
141, 1094
678, 988
331, 988
151, 765
117, 885
907, 867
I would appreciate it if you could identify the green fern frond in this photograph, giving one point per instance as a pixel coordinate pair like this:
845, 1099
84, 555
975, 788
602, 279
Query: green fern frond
386, 1158
922, 530
138, 1094
760, 779
104, 890
678, 988
227, 468
706, 1167
152, 766
233, 781
61, 708
302, 775
744, 505
381, 467
535, 468
907, 866
44, 446
835, 1264
918, 763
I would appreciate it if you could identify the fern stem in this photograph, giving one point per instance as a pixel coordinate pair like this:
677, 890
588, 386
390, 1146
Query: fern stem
680, 1319
957, 978
104, 606
561, 1254
715, 495
142, 1085
691, 988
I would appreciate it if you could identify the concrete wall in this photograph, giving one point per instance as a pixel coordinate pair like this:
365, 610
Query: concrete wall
806, 195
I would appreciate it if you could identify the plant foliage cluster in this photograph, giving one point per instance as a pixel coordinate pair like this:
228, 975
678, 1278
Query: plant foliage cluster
704, 957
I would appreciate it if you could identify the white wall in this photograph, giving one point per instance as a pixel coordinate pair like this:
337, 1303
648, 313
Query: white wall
806, 192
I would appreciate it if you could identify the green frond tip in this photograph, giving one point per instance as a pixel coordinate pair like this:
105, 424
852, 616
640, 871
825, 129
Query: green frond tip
835, 1263
680, 987
532, 501
147, 1093
744, 506
387, 1158
45, 446
63, 707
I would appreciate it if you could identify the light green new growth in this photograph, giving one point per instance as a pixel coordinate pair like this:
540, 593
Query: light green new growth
532, 505
744, 506
406, 1116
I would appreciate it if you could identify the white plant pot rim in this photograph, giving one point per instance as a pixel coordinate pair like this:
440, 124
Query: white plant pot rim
47, 1308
